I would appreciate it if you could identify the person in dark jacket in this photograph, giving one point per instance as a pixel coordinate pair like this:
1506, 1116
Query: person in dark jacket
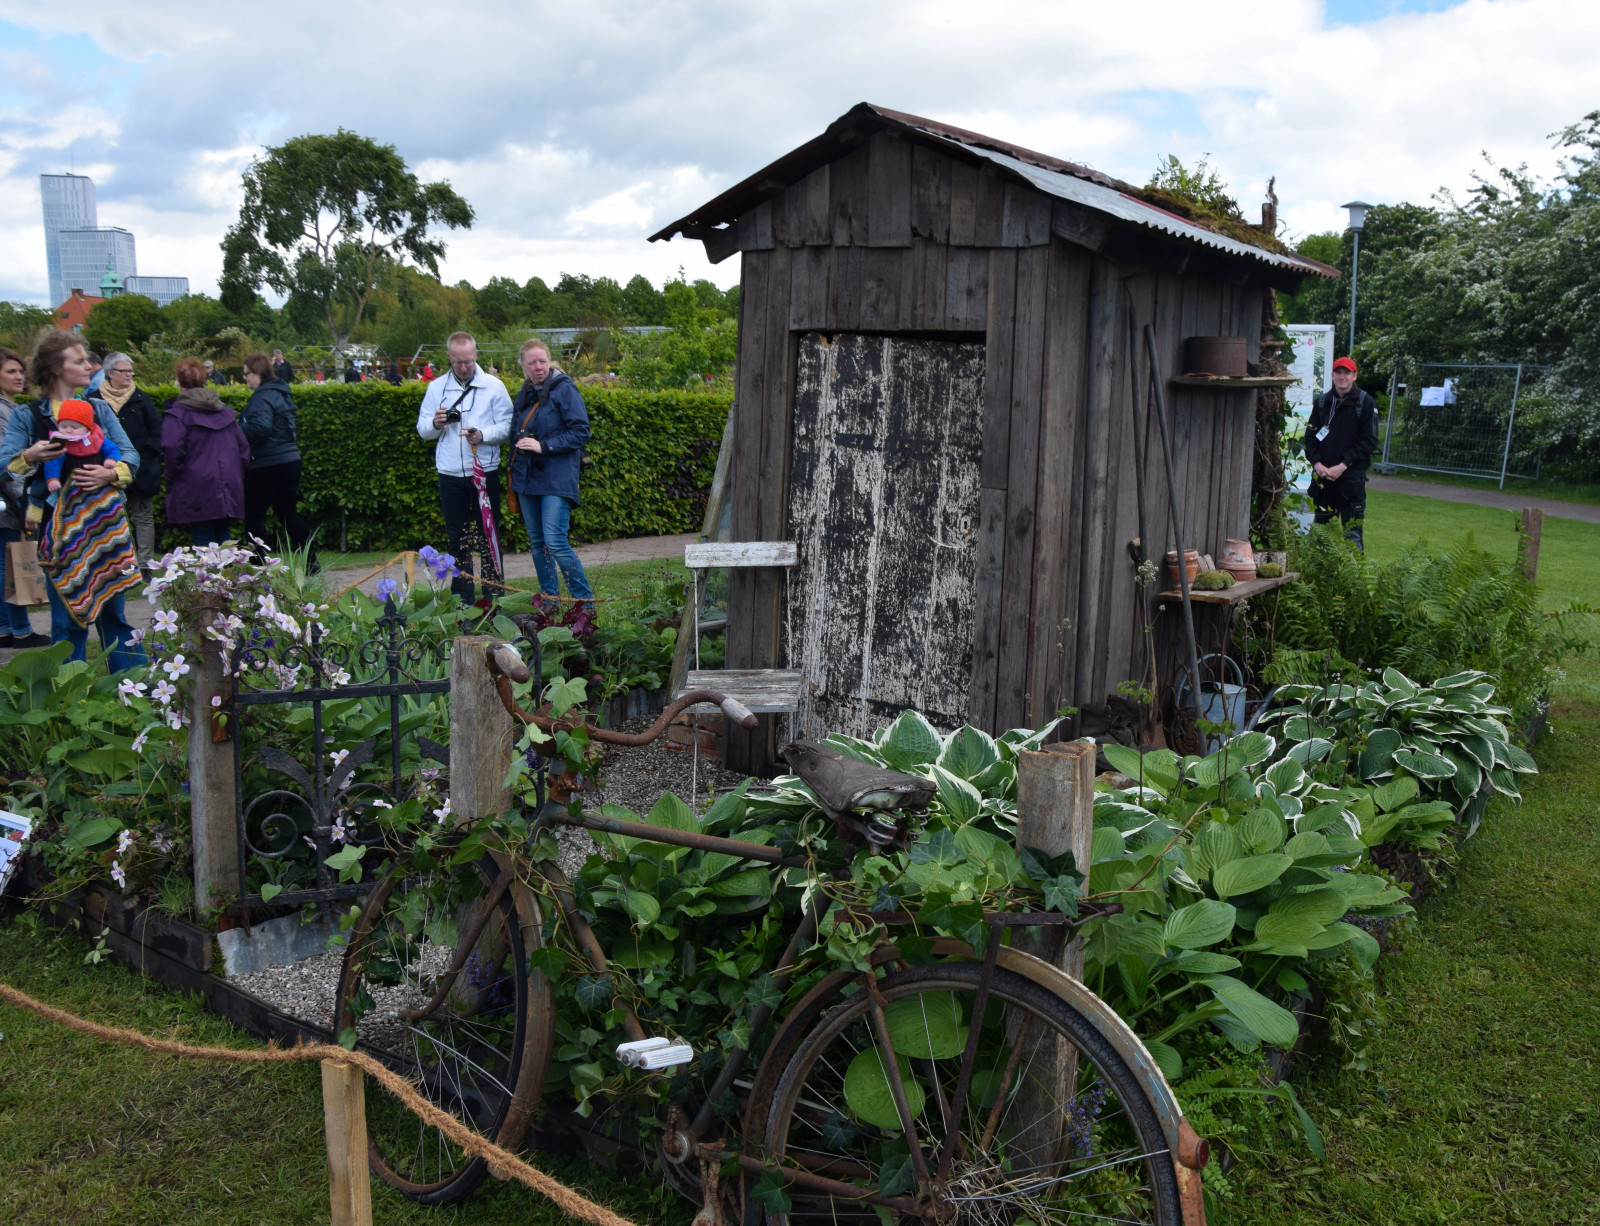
351, 374
281, 368
550, 427
1340, 440
272, 478
142, 420
205, 452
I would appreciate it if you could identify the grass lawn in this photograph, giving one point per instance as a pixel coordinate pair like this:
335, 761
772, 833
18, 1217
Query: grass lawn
1568, 554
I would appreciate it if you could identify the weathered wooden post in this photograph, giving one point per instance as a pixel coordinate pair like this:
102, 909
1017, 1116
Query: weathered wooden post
212, 745
1532, 535
482, 735
1055, 814
344, 1116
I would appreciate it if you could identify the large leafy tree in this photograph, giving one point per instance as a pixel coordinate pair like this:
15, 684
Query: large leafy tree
324, 218
124, 322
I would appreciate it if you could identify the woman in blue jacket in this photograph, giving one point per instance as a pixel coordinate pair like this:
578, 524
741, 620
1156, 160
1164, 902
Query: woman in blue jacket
549, 429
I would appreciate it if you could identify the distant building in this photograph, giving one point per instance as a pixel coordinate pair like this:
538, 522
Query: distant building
85, 255
164, 290
72, 314
68, 205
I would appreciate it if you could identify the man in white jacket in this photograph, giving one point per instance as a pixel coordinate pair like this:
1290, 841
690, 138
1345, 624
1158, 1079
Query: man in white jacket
469, 413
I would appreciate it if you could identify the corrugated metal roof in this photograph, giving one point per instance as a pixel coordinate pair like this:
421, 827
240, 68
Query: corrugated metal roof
1055, 177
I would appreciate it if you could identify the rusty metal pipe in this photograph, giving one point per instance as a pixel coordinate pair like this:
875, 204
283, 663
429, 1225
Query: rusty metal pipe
684, 838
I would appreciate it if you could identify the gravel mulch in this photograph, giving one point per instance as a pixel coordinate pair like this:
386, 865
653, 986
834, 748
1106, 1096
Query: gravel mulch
306, 989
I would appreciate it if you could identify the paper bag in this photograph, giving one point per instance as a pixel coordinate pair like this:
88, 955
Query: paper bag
24, 578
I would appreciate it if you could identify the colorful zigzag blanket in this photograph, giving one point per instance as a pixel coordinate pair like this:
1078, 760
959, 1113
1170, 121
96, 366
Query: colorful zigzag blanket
87, 551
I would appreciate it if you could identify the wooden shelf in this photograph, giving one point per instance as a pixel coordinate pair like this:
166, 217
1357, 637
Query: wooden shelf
1228, 383
1232, 595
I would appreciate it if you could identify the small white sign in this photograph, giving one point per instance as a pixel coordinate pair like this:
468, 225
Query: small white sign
14, 832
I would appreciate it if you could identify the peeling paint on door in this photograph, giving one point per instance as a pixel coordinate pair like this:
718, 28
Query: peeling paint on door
883, 506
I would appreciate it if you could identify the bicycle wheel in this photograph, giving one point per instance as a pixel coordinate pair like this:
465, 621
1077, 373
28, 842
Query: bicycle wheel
1054, 1129
476, 1043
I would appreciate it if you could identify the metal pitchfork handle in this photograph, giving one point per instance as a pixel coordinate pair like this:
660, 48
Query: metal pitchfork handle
506, 666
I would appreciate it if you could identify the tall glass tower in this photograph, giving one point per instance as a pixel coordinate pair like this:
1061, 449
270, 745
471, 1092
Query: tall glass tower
85, 254
68, 205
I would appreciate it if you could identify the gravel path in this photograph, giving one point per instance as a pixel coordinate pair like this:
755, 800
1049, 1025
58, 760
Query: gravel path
633, 777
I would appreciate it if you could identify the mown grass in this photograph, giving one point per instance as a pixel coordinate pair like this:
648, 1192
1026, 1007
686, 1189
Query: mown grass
1480, 1105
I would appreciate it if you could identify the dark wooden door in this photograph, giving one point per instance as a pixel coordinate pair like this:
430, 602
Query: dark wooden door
883, 505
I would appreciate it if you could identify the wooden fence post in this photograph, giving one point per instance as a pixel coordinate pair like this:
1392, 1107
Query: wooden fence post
482, 735
344, 1116
213, 821
1532, 535
1055, 814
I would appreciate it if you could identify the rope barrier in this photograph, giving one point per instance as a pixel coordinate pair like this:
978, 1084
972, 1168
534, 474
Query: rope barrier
501, 1162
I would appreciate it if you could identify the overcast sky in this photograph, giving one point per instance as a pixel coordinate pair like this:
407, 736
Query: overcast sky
575, 130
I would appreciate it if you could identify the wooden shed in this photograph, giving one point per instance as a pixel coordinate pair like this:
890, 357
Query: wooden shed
942, 398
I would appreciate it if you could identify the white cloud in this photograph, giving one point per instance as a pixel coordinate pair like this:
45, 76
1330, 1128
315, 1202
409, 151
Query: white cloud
575, 131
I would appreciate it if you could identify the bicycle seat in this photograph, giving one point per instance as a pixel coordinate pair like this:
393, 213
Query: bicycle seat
844, 784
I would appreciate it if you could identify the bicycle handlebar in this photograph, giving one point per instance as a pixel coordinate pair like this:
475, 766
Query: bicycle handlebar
506, 666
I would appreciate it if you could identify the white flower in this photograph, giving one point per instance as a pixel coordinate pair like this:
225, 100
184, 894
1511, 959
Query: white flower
117, 875
310, 609
338, 833
268, 605
164, 691
216, 700
174, 720
339, 755
166, 621
176, 667
138, 741
379, 803
443, 812
124, 841
129, 690
339, 677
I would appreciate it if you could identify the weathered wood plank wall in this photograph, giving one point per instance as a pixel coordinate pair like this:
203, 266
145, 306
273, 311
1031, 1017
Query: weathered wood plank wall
898, 237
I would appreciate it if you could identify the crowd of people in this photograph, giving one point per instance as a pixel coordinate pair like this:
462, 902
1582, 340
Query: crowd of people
83, 463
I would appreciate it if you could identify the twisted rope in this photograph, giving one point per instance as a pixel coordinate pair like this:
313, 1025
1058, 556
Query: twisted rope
501, 1162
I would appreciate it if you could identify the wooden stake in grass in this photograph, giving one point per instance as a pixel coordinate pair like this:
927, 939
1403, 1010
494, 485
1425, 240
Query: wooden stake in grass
344, 1109
1532, 534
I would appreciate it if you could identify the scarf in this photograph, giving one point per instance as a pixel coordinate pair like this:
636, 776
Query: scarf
116, 399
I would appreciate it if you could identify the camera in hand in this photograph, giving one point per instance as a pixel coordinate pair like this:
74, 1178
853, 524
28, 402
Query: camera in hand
452, 414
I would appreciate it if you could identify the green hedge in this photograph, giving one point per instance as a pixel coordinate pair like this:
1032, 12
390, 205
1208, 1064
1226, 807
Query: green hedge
652, 457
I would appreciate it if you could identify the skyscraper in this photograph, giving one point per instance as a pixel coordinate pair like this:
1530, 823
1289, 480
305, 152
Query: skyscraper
84, 255
163, 290
68, 205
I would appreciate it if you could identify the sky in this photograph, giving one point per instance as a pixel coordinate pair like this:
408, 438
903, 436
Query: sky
575, 131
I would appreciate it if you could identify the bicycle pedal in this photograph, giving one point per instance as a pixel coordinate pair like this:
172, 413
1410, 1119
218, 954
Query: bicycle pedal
654, 1053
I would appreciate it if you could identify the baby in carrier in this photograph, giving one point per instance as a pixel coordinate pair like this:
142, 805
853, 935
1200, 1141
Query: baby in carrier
86, 446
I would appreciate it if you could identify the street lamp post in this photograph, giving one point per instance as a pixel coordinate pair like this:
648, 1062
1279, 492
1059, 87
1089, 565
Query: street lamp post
1358, 218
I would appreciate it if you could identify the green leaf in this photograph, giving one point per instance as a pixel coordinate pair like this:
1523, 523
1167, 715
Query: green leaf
1305, 845
644, 908
968, 753
1195, 962
911, 742
1262, 830
92, 832
672, 814
1321, 906
960, 799
1199, 924
269, 891
1286, 776
1107, 844
926, 1026
1282, 928
1394, 794
1424, 764
1167, 1059
1249, 874
867, 1092
594, 992
1268, 1021
746, 884
1378, 756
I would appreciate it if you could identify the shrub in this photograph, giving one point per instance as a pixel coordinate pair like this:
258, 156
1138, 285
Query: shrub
651, 462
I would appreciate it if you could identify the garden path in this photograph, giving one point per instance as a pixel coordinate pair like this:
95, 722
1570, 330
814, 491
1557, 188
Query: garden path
518, 566
1487, 498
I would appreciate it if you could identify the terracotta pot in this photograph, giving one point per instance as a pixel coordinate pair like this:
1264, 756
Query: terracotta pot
1238, 559
1191, 563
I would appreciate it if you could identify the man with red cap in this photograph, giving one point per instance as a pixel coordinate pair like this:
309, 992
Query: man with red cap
1340, 440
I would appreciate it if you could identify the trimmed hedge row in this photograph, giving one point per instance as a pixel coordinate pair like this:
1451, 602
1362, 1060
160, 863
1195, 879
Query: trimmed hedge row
652, 457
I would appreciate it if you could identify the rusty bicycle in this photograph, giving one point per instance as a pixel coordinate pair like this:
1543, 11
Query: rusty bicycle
969, 1087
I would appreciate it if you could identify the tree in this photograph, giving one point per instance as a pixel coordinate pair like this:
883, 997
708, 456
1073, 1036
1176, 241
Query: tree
642, 302
322, 218
20, 325
122, 323
499, 303
194, 317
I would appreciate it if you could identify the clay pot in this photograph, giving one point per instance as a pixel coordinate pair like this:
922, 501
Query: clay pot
1191, 563
1239, 560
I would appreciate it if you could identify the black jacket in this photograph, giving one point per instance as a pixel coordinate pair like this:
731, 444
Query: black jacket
269, 422
1352, 424
142, 420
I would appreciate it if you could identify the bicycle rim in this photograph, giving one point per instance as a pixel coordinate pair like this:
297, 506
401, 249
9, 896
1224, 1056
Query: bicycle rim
1054, 1128
480, 1053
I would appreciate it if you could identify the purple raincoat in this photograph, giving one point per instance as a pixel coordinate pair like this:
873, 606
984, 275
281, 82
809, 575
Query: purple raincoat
204, 452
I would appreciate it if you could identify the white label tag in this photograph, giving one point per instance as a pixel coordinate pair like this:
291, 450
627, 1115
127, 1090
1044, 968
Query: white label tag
1322, 434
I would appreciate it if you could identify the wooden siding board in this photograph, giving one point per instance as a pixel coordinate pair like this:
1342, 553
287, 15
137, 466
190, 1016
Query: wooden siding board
817, 222
988, 226
930, 194
1000, 330
1012, 698
963, 204
986, 609
849, 285
1097, 477
1025, 217
1117, 572
847, 198
881, 271
1060, 400
789, 215
888, 190
746, 473
966, 300
810, 288
755, 228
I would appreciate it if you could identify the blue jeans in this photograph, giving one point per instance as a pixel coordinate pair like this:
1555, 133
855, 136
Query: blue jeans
546, 518
13, 617
116, 635
209, 531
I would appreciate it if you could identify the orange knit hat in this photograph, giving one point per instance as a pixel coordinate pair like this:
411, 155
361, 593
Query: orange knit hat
80, 411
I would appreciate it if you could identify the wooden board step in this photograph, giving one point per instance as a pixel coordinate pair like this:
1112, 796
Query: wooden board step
766, 691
